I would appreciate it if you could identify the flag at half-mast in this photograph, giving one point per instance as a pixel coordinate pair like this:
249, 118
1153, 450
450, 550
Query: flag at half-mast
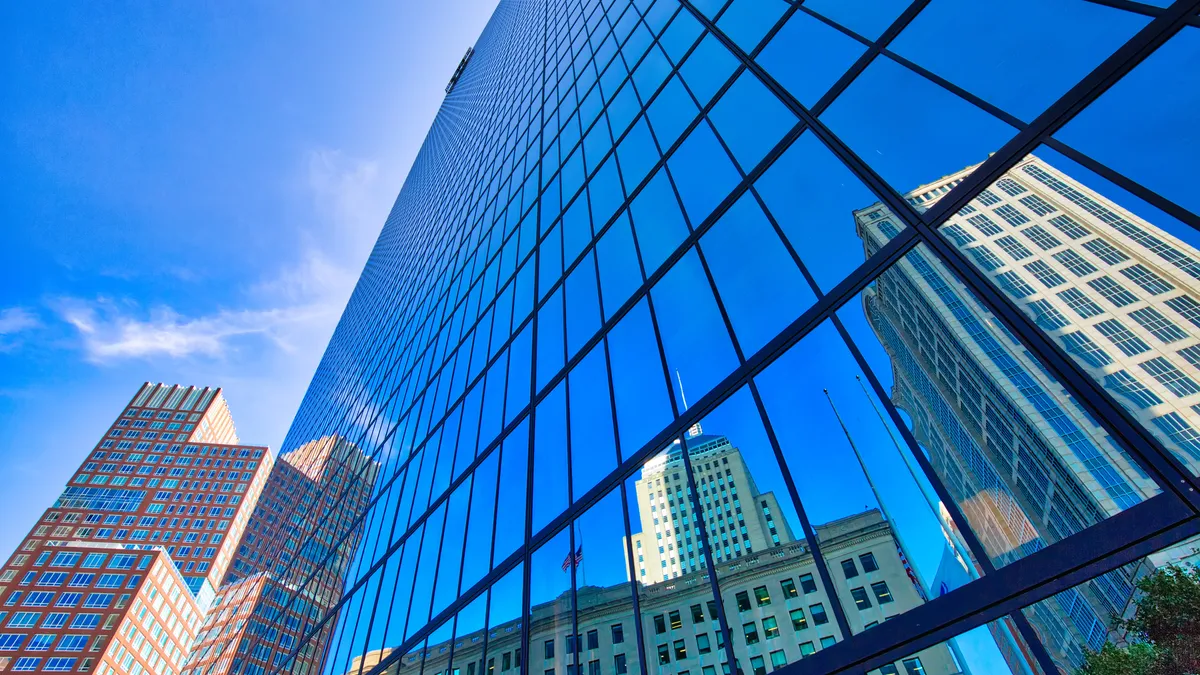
912, 576
573, 559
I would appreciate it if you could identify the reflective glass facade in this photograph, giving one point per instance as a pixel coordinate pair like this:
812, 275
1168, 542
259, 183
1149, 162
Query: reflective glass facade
710, 337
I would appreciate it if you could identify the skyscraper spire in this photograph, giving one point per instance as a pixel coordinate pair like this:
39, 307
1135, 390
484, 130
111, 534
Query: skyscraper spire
694, 430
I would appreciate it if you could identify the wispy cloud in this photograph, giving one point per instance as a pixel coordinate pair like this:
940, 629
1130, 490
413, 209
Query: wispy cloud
299, 299
110, 331
13, 322
17, 319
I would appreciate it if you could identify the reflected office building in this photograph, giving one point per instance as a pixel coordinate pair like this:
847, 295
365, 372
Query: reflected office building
1025, 461
771, 588
305, 528
938, 431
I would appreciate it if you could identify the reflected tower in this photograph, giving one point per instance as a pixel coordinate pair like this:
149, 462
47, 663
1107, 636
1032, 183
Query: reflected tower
1025, 462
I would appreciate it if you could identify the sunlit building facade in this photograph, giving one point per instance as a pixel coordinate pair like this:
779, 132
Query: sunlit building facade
620, 198
116, 575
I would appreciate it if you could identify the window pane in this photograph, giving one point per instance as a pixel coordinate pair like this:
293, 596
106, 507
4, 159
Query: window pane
956, 41
1023, 461
859, 486
809, 192
1151, 104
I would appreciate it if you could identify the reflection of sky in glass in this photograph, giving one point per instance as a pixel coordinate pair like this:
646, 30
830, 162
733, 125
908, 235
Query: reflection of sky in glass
743, 275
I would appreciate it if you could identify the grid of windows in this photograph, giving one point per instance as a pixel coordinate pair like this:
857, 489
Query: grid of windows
1112, 291
1105, 251
1069, 227
1171, 377
1080, 303
1151, 282
1038, 235
1011, 215
1122, 337
1013, 247
572, 250
1045, 274
1075, 263
1038, 205
1187, 307
984, 224
1124, 383
1158, 325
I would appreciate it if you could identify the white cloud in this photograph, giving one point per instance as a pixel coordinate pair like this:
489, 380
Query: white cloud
112, 332
14, 320
300, 300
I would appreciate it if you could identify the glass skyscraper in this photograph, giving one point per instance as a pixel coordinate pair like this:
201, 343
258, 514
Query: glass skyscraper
712, 337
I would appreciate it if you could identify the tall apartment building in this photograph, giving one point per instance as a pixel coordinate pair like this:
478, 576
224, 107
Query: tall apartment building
617, 190
116, 575
1025, 461
668, 543
305, 528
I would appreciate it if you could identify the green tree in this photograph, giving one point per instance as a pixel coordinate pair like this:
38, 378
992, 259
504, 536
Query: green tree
1164, 633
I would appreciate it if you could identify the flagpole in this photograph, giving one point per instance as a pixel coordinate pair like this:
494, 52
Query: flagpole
953, 644
932, 502
914, 577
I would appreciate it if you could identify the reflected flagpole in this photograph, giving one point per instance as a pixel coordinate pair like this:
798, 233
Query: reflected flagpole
902, 549
858, 456
931, 502
934, 502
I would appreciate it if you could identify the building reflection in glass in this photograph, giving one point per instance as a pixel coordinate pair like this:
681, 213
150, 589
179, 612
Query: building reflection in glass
768, 582
1024, 461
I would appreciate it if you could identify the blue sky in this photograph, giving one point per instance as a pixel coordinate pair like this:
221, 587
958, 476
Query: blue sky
190, 193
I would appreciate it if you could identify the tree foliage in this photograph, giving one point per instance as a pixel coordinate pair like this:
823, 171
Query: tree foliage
1164, 633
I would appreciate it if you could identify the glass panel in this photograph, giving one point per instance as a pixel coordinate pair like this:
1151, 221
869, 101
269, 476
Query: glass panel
747, 21
1150, 106
770, 586
681, 623
505, 623
878, 525
996, 647
923, 132
693, 333
1021, 459
643, 403
593, 446
510, 504
551, 617
750, 143
551, 492
1115, 282
957, 42
807, 56
1079, 625
760, 299
868, 18
605, 638
467, 653
808, 191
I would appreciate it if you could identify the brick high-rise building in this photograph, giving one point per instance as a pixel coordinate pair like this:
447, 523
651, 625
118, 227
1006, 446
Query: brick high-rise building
116, 575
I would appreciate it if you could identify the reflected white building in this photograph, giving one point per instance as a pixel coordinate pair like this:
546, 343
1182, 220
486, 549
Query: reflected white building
737, 523
1026, 464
